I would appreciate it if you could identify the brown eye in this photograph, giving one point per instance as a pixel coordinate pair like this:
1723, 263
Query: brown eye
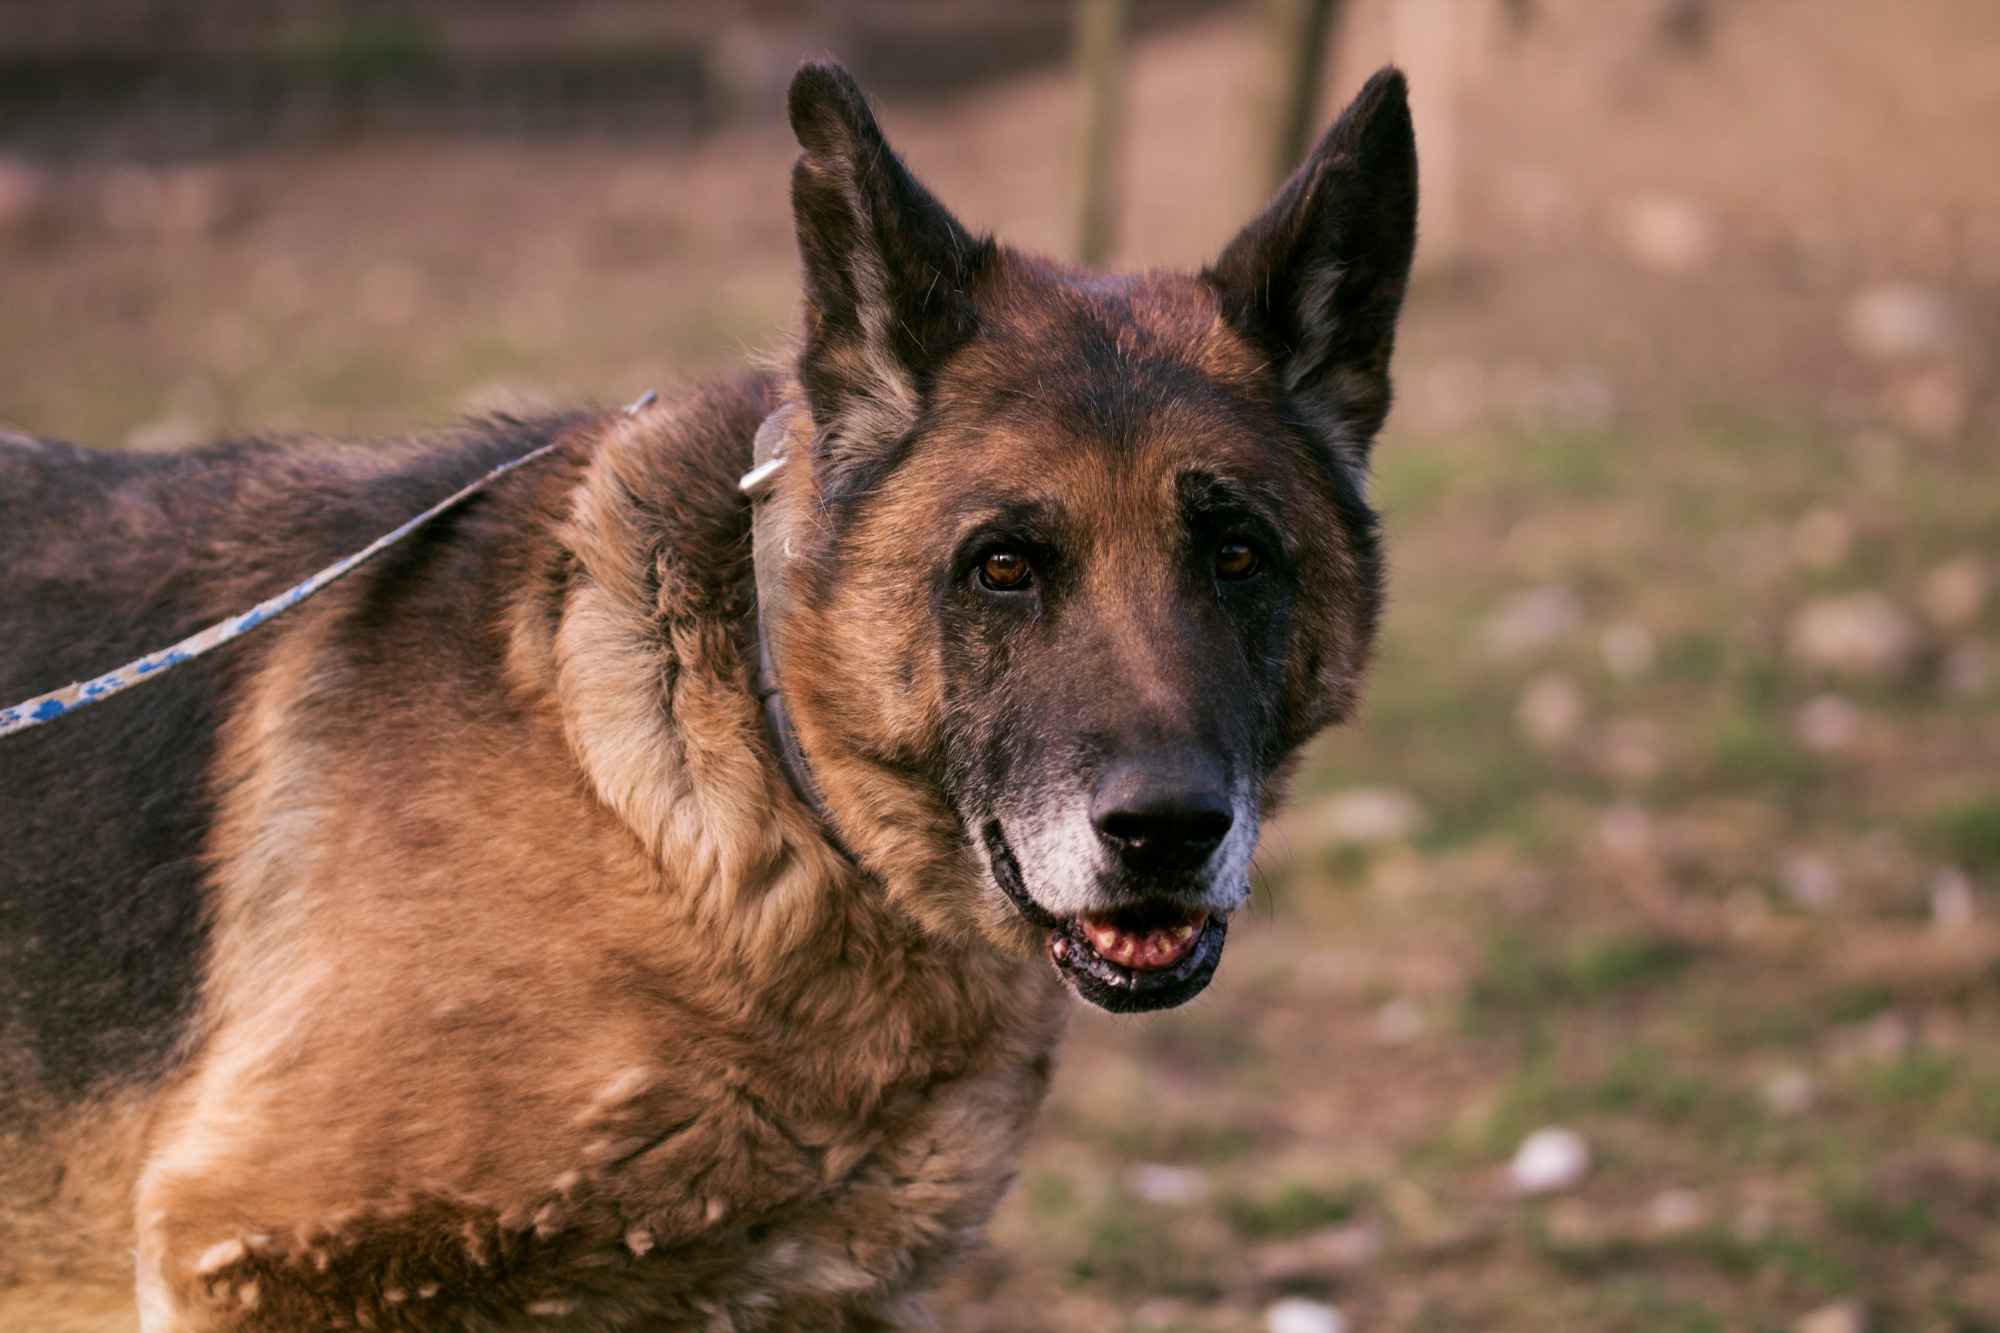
1235, 560
1004, 571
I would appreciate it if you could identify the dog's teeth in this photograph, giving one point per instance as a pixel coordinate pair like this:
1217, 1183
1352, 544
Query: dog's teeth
1105, 939
1181, 933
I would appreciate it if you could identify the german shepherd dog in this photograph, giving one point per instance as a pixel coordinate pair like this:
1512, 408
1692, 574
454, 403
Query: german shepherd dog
638, 902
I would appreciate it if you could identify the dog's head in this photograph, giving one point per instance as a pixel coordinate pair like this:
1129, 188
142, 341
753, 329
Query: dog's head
1078, 562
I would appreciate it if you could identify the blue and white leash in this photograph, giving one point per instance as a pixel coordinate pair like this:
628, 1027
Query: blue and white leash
58, 703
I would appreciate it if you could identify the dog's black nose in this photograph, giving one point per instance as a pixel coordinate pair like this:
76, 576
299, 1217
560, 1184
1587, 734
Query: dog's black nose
1163, 812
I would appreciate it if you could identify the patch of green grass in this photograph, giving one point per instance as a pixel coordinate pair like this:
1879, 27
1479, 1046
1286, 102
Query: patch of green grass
1640, 1080
1638, 1302
1880, 1221
1740, 1028
1620, 962
1293, 1210
1450, 741
1345, 862
1521, 976
1410, 483
1050, 1195
1920, 1078
1984, 1109
1180, 1141
1693, 656
1516, 976
1206, 1040
1532, 1098
1969, 833
1131, 1250
366, 51
1567, 462
1501, 803
1798, 1260
1751, 751
1857, 1003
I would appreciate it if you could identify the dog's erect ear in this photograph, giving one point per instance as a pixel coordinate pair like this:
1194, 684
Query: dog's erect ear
888, 273
1317, 279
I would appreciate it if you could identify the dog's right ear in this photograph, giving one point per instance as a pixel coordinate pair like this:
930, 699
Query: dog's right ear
888, 276
1317, 280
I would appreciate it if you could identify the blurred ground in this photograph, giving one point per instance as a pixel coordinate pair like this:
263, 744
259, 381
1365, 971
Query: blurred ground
1672, 819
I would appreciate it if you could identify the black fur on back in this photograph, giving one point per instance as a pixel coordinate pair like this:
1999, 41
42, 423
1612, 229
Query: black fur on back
104, 557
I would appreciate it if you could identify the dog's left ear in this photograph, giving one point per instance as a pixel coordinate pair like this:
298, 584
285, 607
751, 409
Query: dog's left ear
1317, 280
888, 277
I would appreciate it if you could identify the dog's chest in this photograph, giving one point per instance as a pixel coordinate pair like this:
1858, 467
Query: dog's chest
742, 1217
760, 1221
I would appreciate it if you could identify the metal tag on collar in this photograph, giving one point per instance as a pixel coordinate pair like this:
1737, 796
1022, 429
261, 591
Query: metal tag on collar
757, 478
767, 452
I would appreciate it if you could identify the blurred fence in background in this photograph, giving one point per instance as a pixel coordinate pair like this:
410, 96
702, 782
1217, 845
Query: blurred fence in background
164, 78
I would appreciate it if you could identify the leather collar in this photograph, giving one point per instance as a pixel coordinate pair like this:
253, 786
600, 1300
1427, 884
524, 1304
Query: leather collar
784, 741
770, 547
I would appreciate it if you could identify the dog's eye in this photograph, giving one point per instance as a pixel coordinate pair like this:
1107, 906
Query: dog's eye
1003, 570
1236, 559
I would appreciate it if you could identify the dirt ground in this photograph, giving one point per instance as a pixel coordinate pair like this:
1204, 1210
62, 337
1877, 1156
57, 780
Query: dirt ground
1672, 820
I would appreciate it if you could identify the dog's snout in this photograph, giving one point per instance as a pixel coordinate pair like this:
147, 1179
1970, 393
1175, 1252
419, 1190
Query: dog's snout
1163, 812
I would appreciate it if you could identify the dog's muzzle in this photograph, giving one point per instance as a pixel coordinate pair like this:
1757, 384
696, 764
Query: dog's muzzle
1150, 954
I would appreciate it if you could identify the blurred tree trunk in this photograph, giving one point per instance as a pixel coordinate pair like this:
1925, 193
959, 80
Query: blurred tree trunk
1300, 29
1100, 59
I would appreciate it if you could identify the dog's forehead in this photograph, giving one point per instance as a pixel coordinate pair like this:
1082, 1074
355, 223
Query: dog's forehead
1079, 330
1073, 375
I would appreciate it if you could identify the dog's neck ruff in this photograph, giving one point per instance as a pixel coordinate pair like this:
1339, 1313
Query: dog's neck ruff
770, 545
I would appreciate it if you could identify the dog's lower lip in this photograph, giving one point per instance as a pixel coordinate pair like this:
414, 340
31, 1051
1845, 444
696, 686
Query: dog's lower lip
1122, 989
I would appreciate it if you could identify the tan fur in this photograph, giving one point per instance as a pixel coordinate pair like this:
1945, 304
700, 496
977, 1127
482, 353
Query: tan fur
66, 1219
582, 1019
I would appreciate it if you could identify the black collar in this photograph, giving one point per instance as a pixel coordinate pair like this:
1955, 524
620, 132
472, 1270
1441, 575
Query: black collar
784, 739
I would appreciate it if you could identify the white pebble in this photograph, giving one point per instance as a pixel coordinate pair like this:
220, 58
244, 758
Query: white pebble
1626, 830
1954, 593
1676, 1212
1627, 648
1668, 233
1789, 1092
1952, 903
1370, 814
1399, 1022
1169, 1185
1862, 634
1550, 711
1296, 1314
1897, 320
1810, 881
1840, 1317
1531, 619
1549, 1161
1827, 724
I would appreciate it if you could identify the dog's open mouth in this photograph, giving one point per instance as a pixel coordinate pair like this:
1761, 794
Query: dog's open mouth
1145, 956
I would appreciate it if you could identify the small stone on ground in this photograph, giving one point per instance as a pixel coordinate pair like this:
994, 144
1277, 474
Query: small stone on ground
1549, 1161
1296, 1314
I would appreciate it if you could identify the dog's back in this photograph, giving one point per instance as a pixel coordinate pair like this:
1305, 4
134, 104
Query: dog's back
104, 557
